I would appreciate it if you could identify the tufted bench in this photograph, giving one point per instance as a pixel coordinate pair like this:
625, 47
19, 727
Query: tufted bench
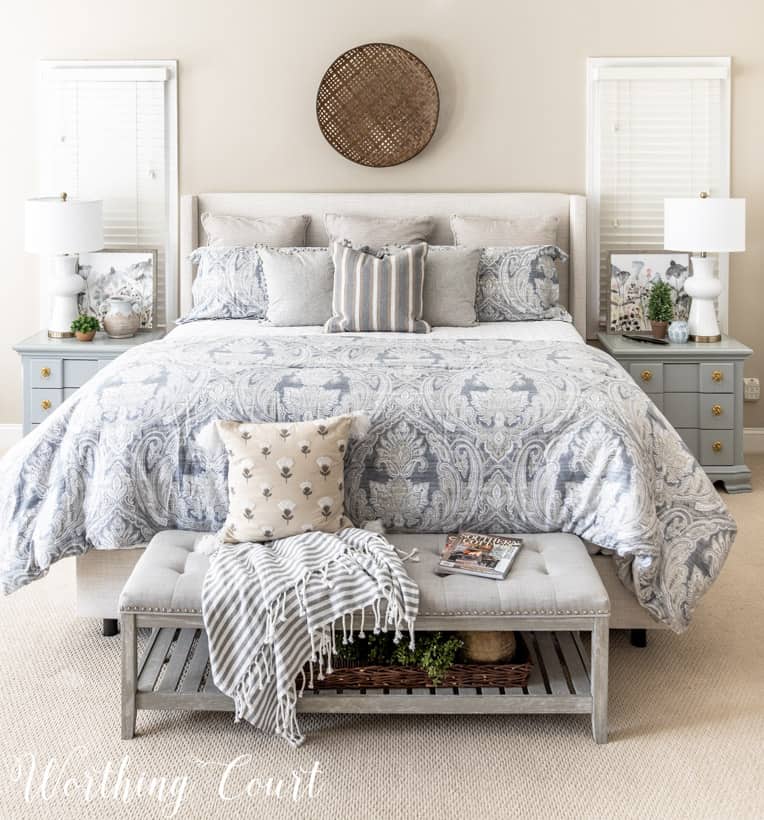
553, 593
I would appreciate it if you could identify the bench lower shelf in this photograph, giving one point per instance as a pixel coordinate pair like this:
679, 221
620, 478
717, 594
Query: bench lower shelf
174, 673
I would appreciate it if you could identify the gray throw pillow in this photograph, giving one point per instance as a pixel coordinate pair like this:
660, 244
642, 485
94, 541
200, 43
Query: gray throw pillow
450, 286
378, 231
515, 232
299, 284
276, 231
520, 284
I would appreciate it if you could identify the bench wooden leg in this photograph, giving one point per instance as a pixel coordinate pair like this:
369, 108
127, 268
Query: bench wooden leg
129, 675
599, 673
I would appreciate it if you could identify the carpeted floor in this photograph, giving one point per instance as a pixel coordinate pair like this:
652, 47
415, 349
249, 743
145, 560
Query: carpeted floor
686, 719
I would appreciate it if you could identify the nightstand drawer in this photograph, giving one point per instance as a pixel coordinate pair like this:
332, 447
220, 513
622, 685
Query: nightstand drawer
43, 402
716, 447
78, 371
717, 377
45, 373
681, 409
648, 375
680, 378
717, 412
691, 438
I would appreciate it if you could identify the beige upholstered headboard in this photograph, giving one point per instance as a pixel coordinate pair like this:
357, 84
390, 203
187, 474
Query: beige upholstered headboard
570, 209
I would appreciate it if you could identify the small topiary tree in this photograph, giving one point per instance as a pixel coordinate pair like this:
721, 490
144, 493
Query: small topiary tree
660, 308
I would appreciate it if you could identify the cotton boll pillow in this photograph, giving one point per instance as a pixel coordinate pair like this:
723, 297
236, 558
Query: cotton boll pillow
284, 478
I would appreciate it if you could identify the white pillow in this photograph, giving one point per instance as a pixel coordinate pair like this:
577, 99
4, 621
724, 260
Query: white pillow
378, 231
299, 283
277, 231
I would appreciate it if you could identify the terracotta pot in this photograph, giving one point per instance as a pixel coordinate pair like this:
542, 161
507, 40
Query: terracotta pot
659, 329
85, 337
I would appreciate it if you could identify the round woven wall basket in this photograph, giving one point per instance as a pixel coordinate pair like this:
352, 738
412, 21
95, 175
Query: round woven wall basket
378, 105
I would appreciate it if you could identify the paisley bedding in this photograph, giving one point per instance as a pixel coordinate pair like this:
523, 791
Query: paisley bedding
499, 435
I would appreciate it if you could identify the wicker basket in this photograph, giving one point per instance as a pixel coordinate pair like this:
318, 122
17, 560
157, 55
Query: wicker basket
378, 105
507, 675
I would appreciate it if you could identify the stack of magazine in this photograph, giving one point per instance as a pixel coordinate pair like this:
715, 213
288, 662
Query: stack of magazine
485, 556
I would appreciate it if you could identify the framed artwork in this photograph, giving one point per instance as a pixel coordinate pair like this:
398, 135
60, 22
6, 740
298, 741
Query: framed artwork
632, 274
128, 272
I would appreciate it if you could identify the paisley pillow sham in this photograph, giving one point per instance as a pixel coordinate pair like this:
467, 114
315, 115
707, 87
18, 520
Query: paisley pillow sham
284, 478
520, 284
228, 285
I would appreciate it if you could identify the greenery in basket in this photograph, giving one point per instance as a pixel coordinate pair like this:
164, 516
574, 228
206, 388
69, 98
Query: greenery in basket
660, 308
435, 652
85, 324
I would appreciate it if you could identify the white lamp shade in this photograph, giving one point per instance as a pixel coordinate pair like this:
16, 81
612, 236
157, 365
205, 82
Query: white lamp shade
56, 226
704, 224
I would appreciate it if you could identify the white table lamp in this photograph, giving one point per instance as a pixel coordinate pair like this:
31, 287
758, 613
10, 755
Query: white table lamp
702, 225
63, 227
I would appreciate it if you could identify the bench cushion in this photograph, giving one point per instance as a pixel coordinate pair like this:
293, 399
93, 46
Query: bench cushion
553, 575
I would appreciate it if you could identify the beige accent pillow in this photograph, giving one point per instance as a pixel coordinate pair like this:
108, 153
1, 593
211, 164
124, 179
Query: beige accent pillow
238, 231
484, 232
284, 478
378, 231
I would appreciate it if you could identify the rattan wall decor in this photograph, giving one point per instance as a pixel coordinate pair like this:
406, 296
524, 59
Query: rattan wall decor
378, 105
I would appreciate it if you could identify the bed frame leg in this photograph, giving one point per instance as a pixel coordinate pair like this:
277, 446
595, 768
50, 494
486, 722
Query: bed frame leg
110, 627
638, 638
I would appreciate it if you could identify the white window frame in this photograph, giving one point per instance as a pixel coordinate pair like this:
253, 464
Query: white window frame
128, 70
660, 67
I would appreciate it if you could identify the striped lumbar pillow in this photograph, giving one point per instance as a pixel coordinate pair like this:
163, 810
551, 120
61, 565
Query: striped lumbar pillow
382, 292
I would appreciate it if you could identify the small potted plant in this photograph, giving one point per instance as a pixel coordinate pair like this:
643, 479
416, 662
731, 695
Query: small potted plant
660, 308
84, 327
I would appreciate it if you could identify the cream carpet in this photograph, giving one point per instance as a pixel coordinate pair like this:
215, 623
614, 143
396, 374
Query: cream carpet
686, 719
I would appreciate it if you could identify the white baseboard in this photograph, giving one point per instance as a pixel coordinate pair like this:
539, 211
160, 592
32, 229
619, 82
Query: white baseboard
9, 435
753, 440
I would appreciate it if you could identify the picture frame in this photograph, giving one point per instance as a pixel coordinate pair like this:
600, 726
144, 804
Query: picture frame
120, 271
632, 274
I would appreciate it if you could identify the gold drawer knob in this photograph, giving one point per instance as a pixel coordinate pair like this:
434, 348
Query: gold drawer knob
646, 375
45, 372
46, 404
717, 446
717, 375
716, 410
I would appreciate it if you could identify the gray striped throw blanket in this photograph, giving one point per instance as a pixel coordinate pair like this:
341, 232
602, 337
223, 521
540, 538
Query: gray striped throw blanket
269, 609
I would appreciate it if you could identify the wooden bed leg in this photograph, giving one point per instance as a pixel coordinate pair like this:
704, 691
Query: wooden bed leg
129, 675
110, 627
638, 638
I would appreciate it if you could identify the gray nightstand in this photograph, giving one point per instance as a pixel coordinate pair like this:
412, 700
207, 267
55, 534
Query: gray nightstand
55, 368
699, 388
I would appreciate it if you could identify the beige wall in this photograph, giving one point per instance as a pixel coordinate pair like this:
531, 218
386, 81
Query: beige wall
512, 82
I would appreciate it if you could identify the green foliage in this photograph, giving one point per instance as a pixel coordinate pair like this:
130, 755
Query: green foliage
660, 307
435, 652
85, 324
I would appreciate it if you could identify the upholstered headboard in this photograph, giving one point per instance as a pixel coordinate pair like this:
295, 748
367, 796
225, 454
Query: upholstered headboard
570, 209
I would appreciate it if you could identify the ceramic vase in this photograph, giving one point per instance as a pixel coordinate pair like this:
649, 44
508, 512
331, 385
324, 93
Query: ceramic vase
679, 332
121, 321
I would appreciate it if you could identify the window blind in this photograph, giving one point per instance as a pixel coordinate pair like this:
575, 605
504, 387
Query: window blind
661, 132
104, 137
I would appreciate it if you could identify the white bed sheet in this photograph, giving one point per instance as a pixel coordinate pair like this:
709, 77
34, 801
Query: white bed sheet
547, 330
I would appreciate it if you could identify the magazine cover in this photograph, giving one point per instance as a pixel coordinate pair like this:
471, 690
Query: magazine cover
486, 555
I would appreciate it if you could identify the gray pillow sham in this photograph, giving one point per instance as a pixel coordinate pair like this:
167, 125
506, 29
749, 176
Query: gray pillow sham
520, 284
515, 232
238, 231
299, 283
378, 231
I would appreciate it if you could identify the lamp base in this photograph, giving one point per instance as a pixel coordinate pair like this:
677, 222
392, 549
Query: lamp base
65, 285
704, 288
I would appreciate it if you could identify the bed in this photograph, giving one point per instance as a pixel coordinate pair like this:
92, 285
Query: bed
641, 496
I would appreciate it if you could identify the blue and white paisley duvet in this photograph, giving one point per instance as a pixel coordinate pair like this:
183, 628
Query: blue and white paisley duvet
491, 436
